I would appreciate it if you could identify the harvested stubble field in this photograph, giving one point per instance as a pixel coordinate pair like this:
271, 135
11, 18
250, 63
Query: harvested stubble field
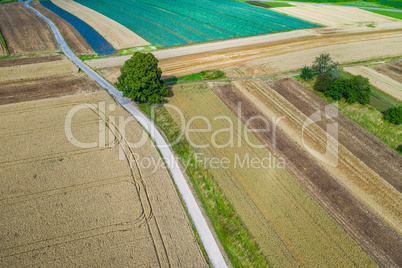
354, 174
334, 16
25, 32
392, 70
76, 42
62, 205
268, 200
269, 58
35, 68
380, 81
381, 241
116, 34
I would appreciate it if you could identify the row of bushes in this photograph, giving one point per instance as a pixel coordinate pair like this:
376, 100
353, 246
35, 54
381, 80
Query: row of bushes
356, 89
392, 3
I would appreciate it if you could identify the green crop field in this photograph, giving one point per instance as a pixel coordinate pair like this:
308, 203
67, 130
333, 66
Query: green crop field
182, 22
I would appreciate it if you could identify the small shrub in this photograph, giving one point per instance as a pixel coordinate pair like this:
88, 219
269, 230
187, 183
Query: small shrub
306, 73
394, 115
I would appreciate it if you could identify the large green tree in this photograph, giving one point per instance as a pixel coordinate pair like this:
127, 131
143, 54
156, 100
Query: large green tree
140, 79
324, 64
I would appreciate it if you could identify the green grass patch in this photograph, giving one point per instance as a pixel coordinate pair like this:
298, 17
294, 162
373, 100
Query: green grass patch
382, 101
7, 1
268, 4
137, 49
204, 75
364, 3
367, 116
392, 14
91, 57
239, 245
3, 42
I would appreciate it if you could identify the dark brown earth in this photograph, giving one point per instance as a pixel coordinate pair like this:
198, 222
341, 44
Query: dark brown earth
45, 88
24, 31
73, 38
30, 60
375, 236
383, 160
392, 70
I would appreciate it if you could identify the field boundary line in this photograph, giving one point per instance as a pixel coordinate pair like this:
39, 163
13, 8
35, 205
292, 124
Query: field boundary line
208, 241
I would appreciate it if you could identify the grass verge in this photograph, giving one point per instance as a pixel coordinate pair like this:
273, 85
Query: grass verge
129, 51
3, 42
367, 116
204, 75
268, 4
395, 15
238, 244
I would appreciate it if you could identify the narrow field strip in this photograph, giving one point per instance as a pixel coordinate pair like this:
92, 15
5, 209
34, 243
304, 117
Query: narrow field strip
94, 39
116, 34
392, 70
52, 87
72, 36
37, 70
380, 81
333, 16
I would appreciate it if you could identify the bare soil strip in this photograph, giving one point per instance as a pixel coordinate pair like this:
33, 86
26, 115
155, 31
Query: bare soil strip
24, 32
332, 15
70, 34
369, 149
30, 60
37, 70
3, 51
63, 205
374, 235
380, 81
116, 34
45, 88
393, 70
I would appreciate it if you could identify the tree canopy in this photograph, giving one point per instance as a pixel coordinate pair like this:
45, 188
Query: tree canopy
324, 64
140, 79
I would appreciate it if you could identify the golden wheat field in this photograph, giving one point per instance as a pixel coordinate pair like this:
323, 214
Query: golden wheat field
77, 192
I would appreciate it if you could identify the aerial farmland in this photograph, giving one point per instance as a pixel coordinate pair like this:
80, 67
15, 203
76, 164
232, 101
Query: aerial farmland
274, 140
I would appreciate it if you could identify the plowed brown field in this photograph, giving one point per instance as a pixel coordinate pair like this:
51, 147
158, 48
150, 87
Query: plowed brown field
393, 70
380, 240
45, 88
24, 31
76, 42
70, 206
